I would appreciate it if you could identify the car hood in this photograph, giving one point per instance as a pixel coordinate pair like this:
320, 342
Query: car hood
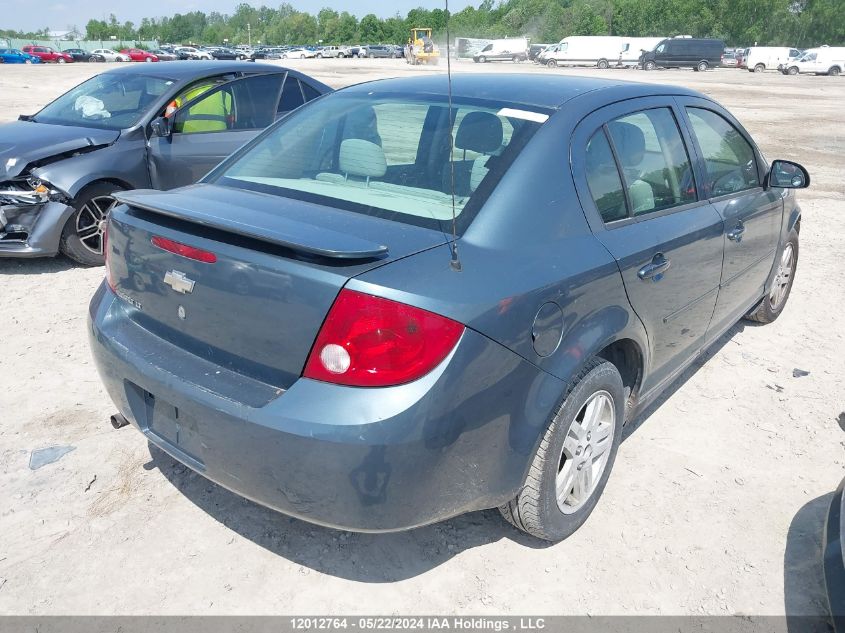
25, 142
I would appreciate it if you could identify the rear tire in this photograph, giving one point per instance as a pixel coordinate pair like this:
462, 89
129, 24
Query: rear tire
602, 64
834, 71
702, 66
570, 468
82, 236
772, 305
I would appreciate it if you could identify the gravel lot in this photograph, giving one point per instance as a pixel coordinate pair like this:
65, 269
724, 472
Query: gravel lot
715, 504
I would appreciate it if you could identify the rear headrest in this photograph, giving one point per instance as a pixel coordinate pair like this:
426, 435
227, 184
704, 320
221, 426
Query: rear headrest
362, 158
479, 132
361, 122
629, 141
599, 156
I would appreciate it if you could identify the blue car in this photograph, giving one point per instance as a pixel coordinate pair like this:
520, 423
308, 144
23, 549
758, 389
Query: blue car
15, 56
395, 305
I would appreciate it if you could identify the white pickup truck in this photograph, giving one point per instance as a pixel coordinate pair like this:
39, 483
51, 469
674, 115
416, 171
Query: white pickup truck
334, 51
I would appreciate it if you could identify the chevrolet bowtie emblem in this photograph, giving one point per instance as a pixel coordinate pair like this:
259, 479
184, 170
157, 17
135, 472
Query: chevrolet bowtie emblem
178, 281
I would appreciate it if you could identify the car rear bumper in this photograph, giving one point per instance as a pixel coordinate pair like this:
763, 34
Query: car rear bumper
457, 440
833, 548
40, 225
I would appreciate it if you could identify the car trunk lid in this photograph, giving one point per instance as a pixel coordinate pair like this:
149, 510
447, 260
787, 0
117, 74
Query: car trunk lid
278, 266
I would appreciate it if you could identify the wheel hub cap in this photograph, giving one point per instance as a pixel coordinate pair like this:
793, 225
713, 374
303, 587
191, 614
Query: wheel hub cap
782, 277
586, 450
91, 222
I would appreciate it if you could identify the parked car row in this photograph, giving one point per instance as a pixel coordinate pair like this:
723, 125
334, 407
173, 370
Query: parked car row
700, 54
320, 52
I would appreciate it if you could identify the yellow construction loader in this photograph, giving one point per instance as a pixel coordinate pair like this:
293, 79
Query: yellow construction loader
423, 48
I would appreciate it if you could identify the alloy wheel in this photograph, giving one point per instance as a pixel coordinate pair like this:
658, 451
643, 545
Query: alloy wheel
782, 277
90, 222
586, 450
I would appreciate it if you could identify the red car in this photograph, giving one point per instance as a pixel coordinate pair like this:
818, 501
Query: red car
47, 54
138, 55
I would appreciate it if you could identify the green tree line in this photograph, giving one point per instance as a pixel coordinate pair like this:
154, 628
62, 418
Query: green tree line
800, 23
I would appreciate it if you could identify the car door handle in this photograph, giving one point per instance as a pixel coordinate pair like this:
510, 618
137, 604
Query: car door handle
655, 269
735, 234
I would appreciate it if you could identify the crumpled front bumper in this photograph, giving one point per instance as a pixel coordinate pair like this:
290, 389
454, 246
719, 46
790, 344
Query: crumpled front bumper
32, 229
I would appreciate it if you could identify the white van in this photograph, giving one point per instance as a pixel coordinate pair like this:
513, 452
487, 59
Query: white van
543, 57
513, 49
633, 47
586, 50
761, 58
825, 60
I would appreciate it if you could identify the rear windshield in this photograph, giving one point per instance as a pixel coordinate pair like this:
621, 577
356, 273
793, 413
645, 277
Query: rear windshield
387, 155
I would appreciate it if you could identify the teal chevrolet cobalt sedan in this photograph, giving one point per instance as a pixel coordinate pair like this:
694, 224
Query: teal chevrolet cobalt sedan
404, 302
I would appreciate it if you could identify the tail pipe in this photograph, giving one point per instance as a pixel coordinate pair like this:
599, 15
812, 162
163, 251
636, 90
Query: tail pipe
118, 421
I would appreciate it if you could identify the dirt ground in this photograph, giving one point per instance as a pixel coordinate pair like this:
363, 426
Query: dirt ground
715, 504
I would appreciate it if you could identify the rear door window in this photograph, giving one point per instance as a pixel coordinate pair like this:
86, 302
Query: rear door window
603, 179
653, 160
292, 96
309, 91
729, 159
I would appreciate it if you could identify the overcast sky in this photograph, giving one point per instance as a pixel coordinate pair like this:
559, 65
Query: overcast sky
58, 15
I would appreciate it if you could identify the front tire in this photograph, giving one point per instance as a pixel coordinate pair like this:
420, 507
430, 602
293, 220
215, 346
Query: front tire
792, 70
82, 235
575, 456
551, 63
61, 60
759, 68
649, 66
772, 305
482, 59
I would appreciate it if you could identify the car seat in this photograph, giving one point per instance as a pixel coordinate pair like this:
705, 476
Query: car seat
629, 141
479, 132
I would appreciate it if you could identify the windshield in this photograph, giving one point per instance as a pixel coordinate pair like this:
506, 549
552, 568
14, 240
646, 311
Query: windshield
386, 155
107, 101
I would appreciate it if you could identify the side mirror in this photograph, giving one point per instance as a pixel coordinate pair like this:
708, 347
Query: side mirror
785, 174
160, 127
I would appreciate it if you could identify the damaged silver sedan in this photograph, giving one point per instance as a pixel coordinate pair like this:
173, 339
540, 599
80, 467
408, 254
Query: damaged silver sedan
128, 128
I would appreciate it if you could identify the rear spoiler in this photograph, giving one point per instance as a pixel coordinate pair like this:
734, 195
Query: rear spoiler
286, 232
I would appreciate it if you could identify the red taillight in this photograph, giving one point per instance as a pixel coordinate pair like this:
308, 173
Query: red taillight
183, 250
368, 341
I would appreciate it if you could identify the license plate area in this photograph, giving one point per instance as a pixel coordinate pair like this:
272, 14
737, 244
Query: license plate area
172, 426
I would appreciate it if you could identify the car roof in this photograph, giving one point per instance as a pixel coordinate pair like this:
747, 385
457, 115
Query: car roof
538, 90
195, 69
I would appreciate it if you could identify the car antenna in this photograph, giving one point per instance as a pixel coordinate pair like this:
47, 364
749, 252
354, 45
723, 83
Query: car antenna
456, 262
